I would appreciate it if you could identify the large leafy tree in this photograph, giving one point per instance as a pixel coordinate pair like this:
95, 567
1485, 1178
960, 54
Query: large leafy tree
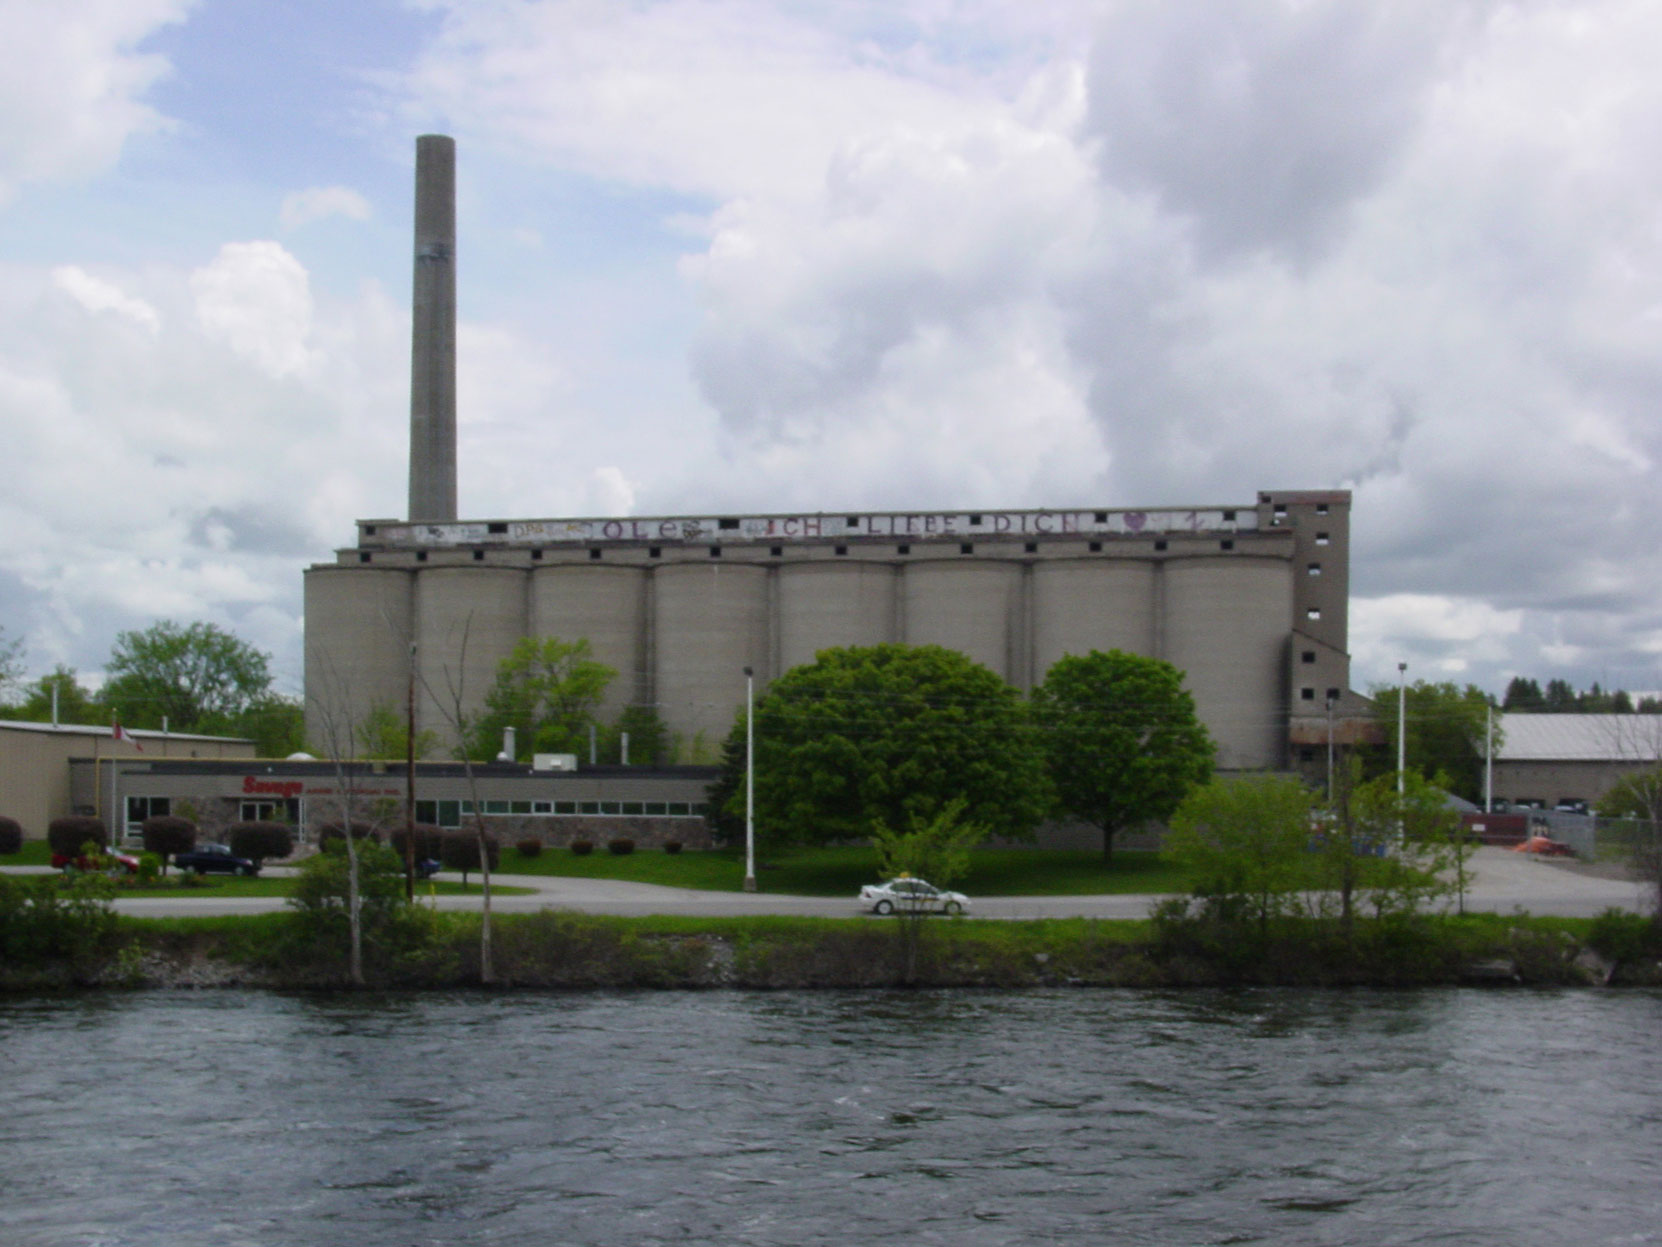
886, 735
548, 691
1121, 739
75, 703
1445, 732
197, 676
1246, 840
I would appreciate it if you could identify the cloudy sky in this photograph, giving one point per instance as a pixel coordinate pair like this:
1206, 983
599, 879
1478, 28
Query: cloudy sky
839, 254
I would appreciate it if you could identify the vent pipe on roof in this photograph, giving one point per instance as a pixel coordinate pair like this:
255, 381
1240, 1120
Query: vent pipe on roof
433, 334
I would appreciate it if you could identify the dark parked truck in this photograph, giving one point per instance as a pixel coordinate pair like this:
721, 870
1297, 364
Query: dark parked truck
215, 859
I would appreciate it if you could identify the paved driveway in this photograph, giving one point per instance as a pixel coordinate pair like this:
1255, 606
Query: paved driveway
1501, 882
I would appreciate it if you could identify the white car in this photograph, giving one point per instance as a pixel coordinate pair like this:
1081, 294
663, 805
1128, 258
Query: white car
911, 896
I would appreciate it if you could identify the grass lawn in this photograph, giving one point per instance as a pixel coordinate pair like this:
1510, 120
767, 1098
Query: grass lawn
842, 870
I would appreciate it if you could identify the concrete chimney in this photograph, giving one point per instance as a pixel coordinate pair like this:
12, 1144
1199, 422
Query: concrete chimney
433, 334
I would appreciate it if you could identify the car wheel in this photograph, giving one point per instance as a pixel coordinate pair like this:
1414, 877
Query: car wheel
246, 872
954, 908
883, 907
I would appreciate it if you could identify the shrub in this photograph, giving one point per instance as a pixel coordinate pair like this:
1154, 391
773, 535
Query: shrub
429, 841
1621, 936
68, 836
11, 836
45, 919
529, 847
582, 848
260, 840
672, 846
361, 831
620, 847
150, 865
460, 851
167, 834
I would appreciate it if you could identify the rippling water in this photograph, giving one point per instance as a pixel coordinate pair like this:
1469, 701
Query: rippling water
1277, 1117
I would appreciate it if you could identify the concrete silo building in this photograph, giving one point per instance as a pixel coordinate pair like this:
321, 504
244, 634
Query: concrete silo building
1249, 599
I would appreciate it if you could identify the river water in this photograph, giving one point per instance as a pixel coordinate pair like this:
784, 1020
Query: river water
226, 1118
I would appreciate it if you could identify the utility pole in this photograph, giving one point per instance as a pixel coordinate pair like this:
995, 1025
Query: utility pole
749, 780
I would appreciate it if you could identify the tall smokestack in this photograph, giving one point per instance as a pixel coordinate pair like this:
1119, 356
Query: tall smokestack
433, 335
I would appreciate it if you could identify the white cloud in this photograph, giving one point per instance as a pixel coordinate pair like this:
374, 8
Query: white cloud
316, 203
74, 87
256, 298
101, 296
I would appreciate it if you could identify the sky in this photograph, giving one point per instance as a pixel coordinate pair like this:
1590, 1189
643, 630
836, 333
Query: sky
724, 256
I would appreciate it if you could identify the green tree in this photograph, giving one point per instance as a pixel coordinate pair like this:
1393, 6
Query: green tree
1446, 732
548, 691
197, 676
650, 743
11, 664
1383, 850
385, 733
1246, 840
1523, 696
75, 703
1121, 739
882, 735
936, 849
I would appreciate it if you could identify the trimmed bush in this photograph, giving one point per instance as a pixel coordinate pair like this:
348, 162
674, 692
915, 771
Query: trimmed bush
260, 840
360, 831
529, 847
461, 851
582, 848
620, 847
429, 841
11, 836
672, 847
68, 836
167, 834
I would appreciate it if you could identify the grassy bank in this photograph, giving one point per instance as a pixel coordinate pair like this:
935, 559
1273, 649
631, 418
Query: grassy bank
569, 951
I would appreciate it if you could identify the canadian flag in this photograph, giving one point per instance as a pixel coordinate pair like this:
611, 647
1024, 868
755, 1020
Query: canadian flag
117, 732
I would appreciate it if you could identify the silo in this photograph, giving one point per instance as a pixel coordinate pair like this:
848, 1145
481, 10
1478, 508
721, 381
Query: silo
467, 621
606, 606
358, 629
972, 606
1080, 605
1227, 621
822, 605
710, 621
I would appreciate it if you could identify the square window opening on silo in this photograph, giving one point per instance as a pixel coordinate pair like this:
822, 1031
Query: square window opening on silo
727, 523
1226, 544
497, 528
975, 521
1321, 508
1315, 569
1032, 547
776, 552
1101, 517
1308, 655
1229, 517
1307, 694
594, 552
715, 552
654, 552
966, 548
421, 556
1332, 694
369, 531
1096, 547
1159, 545
1280, 509
853, 522
478, 556
840, 551
1321, 539
1315, 612
536, 556
363, 556
903, 549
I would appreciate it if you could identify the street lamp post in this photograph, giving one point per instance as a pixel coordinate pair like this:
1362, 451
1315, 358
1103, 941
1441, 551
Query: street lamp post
1402, 741
749, 780
1330, 751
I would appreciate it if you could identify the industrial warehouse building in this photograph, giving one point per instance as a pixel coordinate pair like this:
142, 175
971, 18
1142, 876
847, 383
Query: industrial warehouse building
1249, 601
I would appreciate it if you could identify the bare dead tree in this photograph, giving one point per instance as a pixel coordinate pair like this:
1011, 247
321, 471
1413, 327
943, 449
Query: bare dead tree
336, 734
451, 703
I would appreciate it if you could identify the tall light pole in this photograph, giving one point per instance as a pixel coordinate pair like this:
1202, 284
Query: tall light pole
1330, 752
1402, 724
749, 780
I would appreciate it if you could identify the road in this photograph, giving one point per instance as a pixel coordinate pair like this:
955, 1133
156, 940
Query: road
1501, 882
